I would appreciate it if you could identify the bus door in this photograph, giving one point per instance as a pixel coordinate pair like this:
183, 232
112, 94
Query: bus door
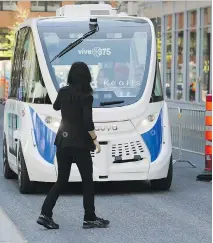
12, 144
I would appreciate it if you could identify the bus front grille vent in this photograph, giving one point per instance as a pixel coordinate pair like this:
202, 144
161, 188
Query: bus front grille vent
127, 149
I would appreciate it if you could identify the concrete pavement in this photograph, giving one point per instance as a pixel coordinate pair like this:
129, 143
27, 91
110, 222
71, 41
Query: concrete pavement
9, 233
137, 214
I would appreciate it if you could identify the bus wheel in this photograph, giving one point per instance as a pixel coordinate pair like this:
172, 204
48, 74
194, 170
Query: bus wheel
165, 183
8, 173
24, 183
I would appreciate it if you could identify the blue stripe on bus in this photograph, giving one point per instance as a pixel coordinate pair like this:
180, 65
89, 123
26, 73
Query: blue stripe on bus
44, 137
153, 138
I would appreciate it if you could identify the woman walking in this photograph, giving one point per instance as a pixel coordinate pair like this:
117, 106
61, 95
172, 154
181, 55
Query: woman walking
74, 141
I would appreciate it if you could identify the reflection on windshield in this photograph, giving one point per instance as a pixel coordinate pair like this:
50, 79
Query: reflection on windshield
116, 79
107, 79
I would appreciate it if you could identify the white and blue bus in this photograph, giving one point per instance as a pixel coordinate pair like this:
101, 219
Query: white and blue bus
129, 111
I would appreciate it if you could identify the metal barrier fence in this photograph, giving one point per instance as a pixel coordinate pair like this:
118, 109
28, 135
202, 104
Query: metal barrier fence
187, 130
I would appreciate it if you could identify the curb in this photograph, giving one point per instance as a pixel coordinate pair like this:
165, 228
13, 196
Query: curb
9, 233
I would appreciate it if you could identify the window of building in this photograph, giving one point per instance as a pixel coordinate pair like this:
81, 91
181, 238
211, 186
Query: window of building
8, 6
179, 21
205, 53
179, 36
3, 40
206, 15
32, 85
192, 19
45, 6
53, 6
168, 39
38, 6
4, 31
191, 60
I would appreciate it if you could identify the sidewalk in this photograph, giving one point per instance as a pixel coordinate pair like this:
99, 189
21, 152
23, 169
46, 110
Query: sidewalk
8, 231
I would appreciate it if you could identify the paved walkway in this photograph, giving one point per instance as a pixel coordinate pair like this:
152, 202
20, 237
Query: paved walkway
8, 231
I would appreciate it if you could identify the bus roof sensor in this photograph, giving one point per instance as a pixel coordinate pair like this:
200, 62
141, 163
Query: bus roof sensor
93, 23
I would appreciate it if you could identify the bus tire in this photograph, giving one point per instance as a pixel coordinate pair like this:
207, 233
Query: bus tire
165, 183
7, 172
24, 183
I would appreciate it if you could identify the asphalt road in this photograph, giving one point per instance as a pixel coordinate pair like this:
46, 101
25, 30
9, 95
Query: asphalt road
137, 214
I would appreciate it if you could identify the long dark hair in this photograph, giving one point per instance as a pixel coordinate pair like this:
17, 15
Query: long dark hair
79, 79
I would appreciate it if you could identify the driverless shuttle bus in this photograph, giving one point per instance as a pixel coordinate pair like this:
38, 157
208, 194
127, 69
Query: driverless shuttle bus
129, 112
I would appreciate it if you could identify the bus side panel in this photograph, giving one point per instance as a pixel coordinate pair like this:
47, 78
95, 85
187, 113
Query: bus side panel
157, 137
159, 167
38, 168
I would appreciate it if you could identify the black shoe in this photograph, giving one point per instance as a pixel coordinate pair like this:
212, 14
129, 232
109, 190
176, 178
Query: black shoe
47, 222
98, 223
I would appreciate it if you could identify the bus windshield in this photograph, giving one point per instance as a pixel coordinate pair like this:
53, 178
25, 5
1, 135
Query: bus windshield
118, 56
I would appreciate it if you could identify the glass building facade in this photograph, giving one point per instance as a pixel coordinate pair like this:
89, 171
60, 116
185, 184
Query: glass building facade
186, 55
184, 35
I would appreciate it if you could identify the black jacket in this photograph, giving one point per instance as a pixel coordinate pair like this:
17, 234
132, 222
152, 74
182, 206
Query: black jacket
76, 112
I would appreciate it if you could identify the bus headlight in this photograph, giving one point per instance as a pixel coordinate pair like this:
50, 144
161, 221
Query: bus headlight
48, 119
148, 120
151, 118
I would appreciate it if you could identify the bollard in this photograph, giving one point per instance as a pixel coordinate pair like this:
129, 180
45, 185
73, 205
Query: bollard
207, 173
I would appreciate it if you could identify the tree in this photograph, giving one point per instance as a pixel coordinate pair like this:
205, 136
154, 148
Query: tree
21, 15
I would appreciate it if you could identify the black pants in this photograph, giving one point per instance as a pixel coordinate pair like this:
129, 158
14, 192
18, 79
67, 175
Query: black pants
65, 157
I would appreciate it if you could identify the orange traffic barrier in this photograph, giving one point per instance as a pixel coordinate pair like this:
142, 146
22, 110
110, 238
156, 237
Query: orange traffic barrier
208, 120
207, 173
6, 90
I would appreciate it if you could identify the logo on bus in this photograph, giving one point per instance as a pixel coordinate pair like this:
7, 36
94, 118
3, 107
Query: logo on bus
106, 128
96, 51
